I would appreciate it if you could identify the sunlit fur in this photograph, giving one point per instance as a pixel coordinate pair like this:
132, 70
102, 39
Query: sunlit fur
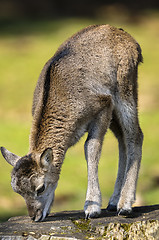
89, 85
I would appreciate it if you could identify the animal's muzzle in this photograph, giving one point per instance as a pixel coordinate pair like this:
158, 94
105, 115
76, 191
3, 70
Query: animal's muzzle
38, 216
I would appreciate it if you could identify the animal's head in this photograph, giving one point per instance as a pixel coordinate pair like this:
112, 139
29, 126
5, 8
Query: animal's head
35, 178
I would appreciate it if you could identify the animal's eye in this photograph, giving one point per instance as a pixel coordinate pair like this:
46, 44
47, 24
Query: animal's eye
41, 189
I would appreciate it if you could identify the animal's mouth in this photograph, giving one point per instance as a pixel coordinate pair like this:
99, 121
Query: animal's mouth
38, 216
42, 212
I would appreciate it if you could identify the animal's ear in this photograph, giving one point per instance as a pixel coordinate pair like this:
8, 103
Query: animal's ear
46, 159
11, 158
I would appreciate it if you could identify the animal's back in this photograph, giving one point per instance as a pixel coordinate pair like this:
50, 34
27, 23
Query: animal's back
95, 59
86, 70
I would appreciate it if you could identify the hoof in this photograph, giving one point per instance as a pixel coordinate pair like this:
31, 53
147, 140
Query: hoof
92, 209
124, 212
92, 215
111, 208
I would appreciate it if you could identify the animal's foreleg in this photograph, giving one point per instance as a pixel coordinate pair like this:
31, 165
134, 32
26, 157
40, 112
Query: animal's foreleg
93, 196
93, 148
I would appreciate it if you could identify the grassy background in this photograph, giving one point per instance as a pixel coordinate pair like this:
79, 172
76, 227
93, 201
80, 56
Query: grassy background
24, 48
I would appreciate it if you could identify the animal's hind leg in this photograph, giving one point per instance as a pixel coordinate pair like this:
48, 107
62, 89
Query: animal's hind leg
118, 132
133, 138
93, 146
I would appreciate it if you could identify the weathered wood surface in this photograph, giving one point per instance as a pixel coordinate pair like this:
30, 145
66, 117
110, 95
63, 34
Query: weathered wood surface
142, 224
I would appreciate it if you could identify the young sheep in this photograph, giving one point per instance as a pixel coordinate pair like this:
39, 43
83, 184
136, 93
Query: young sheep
89, 85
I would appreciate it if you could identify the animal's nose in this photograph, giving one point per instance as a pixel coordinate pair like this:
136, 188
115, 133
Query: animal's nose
35, 214
38, 216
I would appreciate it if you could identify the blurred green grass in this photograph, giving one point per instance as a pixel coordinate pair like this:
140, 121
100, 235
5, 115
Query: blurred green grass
25, 47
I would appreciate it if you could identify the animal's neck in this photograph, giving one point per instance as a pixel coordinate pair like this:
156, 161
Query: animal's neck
51, 130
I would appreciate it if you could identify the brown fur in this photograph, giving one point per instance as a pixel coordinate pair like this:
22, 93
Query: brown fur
89, 85
66, 76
